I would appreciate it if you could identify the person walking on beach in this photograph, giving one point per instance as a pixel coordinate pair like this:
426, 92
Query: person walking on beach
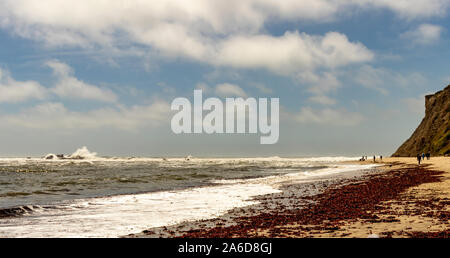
419, 158
423, 156
428, 155
381, 157
373, 158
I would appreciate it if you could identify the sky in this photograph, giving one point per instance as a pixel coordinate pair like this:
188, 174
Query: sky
350, 75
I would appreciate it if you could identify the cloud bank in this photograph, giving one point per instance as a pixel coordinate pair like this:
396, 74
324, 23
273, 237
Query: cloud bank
223, 33
54, 115
12, 91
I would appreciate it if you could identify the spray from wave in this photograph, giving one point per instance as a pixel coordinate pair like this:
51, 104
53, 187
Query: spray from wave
81, 153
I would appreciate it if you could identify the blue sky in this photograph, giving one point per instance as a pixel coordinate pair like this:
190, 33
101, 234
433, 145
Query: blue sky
351, 75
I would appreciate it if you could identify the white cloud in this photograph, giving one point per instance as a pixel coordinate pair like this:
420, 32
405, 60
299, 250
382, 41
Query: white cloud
57, 116
54, 115
424, 34
68, 86
204, 30
320, 85
59, 69
409, 9
223, 33
373, 78
379, 79
98, 21
229, 90
328, 116
12, 91
292, 52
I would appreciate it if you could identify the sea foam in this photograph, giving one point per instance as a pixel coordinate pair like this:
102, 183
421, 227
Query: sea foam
119, 215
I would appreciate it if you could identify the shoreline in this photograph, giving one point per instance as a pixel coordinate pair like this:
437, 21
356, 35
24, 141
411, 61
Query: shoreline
303, 191
397, 199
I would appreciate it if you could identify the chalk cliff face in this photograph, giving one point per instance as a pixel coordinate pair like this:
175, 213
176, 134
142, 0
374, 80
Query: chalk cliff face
433, 133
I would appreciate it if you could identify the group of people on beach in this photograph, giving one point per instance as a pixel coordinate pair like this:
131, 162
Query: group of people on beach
364, 158
422, 156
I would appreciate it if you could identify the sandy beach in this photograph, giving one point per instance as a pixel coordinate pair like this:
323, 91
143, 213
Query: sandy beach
397, 199
420, 211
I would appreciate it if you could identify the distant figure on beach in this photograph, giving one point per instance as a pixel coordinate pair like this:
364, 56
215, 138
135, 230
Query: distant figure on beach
362, 159
381, 157
423, 156
373, 158
419, 158
428, 155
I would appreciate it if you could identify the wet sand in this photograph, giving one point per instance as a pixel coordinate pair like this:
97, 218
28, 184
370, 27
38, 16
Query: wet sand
398, 199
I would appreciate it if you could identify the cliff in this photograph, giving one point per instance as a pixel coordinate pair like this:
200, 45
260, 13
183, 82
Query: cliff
433, 133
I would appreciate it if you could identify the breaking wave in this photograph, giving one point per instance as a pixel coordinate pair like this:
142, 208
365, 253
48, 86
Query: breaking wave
81, 153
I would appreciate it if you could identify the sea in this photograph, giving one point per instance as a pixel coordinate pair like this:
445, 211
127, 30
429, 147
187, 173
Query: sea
86, 195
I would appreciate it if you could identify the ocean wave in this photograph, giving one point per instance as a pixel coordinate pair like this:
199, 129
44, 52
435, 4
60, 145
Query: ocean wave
124, 214
80, 154
117, 215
